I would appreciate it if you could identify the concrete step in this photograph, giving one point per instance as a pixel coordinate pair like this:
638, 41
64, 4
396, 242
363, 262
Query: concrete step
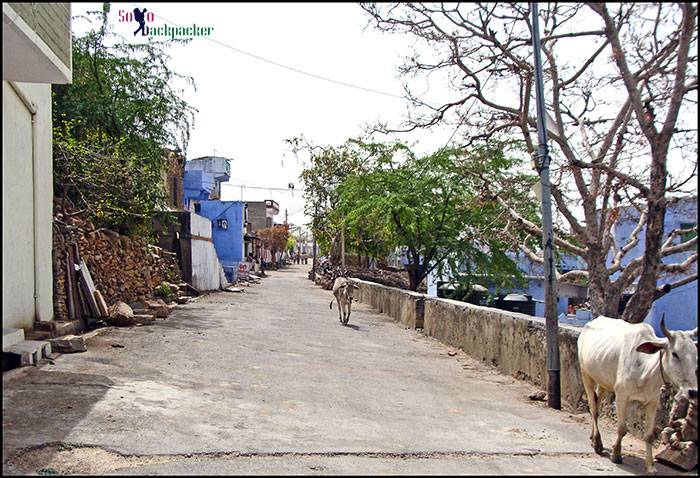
59, 328
68, 327
31, 351
39, 335
68, 344
11, 337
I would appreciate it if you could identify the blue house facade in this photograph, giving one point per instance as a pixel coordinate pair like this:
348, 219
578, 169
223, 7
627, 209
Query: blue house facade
227, 220
680, 306
533, 274
203, 177
202, 181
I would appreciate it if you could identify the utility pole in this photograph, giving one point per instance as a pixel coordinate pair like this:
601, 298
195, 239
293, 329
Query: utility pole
285, 216
550, 280
342, 246
313, 262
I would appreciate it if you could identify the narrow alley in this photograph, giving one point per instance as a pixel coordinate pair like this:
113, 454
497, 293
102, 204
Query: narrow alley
267, 381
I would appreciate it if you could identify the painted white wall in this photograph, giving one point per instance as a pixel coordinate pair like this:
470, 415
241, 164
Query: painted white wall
26, 57
207, 273
27, 170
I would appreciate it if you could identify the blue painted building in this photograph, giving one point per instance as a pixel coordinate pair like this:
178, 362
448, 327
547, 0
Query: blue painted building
227, 220
681, 304
202, 179
533, 275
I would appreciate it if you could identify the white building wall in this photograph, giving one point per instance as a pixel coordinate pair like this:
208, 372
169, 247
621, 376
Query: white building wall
207, 273
27, 170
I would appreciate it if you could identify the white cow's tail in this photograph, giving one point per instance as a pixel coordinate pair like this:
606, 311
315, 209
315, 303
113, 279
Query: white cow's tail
331, 305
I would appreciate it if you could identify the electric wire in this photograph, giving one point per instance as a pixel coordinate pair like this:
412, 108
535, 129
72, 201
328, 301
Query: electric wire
280, 65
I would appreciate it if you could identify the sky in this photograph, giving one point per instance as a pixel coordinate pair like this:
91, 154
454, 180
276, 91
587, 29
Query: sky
247, 108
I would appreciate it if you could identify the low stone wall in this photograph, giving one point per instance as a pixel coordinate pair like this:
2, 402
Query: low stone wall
122, 268
514, 343
403, 306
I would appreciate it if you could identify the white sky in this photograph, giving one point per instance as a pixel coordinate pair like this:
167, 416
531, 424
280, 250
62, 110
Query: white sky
247, 108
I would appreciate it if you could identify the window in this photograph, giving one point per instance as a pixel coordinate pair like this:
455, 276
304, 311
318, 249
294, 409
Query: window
222, 223
688, 235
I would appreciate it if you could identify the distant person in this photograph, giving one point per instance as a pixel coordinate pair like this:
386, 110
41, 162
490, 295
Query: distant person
571, 310
140, 17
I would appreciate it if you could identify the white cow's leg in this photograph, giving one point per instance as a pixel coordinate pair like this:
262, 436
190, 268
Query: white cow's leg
649, 423
621, 401
348, 316
593, 403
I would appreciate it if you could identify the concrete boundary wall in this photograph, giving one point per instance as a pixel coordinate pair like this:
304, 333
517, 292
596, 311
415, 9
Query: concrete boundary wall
207, 273
403, 306
515, 343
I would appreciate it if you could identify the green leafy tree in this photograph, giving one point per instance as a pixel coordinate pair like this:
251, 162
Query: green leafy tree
107, 184
291, 244
327, 167
115, 124
430, 206
125, 90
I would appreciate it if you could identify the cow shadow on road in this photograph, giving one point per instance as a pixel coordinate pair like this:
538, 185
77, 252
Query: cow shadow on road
635, 464
353, 326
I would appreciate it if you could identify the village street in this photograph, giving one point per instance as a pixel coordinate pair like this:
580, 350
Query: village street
268, 382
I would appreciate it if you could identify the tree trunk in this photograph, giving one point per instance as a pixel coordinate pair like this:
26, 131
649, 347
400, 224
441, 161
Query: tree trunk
413, 276
645, 293
335, 251
603, 296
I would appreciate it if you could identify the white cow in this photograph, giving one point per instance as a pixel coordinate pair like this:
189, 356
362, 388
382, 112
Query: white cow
631, 361
342, 290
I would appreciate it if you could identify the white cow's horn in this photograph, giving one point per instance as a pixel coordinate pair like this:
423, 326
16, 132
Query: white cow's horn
663, 327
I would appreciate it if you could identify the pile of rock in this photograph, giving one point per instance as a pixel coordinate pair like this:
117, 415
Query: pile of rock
122, 268
326, 274
141, 312
681, 436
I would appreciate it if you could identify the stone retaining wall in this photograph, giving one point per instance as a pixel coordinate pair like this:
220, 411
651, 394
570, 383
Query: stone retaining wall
514, 343
122, 268
403, 306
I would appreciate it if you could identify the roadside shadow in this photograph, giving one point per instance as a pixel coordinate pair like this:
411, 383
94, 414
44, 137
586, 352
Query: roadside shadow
41, 407
353, 326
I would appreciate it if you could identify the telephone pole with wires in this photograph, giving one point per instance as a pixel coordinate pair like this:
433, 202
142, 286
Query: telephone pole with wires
550, 280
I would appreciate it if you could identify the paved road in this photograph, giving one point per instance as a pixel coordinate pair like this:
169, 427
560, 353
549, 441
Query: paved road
268, 382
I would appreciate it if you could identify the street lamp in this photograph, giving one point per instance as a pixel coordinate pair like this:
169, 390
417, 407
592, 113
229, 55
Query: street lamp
550, 284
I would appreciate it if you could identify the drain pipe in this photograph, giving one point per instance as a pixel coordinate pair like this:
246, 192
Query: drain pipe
32, 110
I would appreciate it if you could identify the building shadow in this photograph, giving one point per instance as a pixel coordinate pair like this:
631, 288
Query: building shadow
41, 408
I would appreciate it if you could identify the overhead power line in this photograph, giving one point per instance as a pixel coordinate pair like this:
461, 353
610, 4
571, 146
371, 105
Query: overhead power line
263, 187
286, 67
